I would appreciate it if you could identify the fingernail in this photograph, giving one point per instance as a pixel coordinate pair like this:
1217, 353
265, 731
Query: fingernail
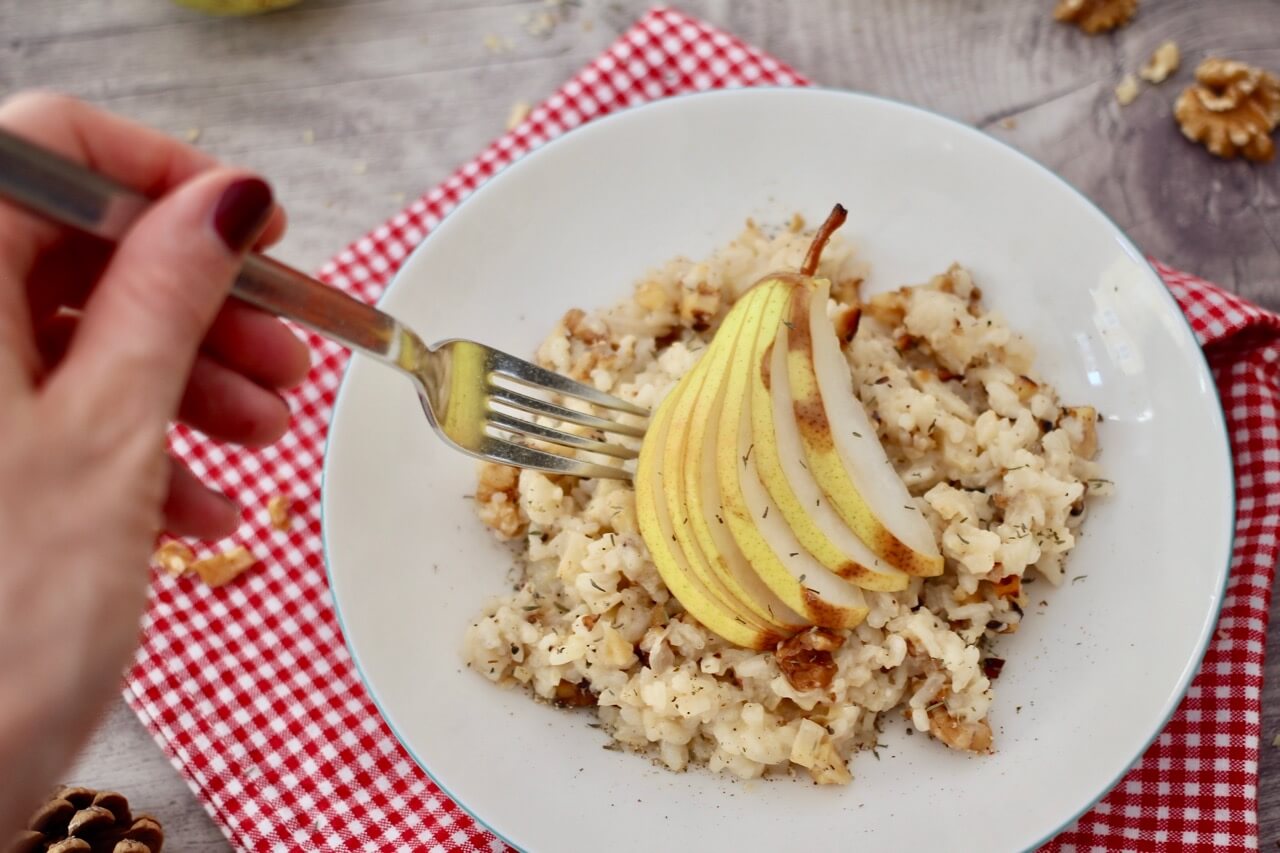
241, 212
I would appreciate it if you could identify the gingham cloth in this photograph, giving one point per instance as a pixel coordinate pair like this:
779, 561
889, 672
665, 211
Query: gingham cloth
250, 689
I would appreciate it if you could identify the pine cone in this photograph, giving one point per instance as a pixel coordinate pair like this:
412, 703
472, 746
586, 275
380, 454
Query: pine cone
81, 820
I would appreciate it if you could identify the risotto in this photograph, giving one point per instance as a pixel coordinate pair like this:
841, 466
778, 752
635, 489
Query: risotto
1001, 469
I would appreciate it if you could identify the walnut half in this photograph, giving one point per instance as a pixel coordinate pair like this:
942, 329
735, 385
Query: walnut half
1232, 109
1096, 16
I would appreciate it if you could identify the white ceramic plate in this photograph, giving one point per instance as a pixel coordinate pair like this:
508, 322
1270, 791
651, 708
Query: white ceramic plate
574, 224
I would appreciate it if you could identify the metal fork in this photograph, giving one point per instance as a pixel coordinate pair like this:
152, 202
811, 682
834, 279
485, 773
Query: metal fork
478, 399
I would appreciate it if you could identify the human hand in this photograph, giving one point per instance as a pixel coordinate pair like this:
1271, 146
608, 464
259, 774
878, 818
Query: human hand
101, 348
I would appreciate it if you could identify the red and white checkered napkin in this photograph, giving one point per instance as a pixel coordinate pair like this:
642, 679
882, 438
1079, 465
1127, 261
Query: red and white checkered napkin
250, 689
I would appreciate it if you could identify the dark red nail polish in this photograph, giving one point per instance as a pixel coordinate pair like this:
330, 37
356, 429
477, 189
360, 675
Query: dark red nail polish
241, 212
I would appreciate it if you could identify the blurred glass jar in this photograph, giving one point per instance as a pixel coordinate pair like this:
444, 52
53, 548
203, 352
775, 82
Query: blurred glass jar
236, 7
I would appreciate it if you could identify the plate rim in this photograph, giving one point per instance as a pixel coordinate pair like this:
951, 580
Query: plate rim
1192, 667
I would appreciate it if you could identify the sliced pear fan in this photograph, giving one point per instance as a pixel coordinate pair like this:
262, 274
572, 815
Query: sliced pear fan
762, 490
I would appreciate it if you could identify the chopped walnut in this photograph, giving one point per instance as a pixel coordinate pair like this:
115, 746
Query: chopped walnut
223, 568
1127, 90
1096, 16
174, 557
519, 112
498, 499
1163, 62
571, 695
698, 305
847, 291
959, 734
1025, 387
846, 323
1232, 109
589, 330
806, 659
888, 309
652, 296
1009, 586
278, 512
956, 280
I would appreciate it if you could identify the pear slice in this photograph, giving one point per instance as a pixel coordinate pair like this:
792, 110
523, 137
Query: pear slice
701, 498
659, 535
849, 463
780, 457
756, 523
679, 511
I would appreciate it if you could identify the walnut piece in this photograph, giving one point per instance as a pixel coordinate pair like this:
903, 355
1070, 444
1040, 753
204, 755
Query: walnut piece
498, 499
1009, 586
278, 512
223, 568
806, 659
1096, 16
174, 557
1232, 109
698, 305
651, 296
959, 734
1128, 90
846, 291
589, 330
519, 112
1163, 62
571, 694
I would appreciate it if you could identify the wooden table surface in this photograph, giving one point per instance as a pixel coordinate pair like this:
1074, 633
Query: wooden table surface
350, 106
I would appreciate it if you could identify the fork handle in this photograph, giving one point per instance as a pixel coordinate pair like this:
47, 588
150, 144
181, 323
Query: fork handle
70, 194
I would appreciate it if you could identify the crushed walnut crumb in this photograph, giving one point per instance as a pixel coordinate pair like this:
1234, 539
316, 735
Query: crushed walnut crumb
278, 512
519, 112
497, 500
959, 734
174, 557
1096, 16
1163, 62
223, 568
1128, 90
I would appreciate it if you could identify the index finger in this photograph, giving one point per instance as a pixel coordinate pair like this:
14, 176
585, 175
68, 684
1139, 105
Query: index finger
136, 156
141, 158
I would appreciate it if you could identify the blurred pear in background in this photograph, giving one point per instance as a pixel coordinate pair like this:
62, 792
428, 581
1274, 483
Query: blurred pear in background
236, 7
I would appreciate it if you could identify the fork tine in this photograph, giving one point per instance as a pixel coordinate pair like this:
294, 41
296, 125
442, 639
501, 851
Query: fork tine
522, 371
543, 407
499, 450
555, 436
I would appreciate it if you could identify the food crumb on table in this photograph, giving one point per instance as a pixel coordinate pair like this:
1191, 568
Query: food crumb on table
1164, 62
1127, 90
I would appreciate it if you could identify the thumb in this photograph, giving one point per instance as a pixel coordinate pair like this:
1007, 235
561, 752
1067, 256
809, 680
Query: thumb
164, 285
